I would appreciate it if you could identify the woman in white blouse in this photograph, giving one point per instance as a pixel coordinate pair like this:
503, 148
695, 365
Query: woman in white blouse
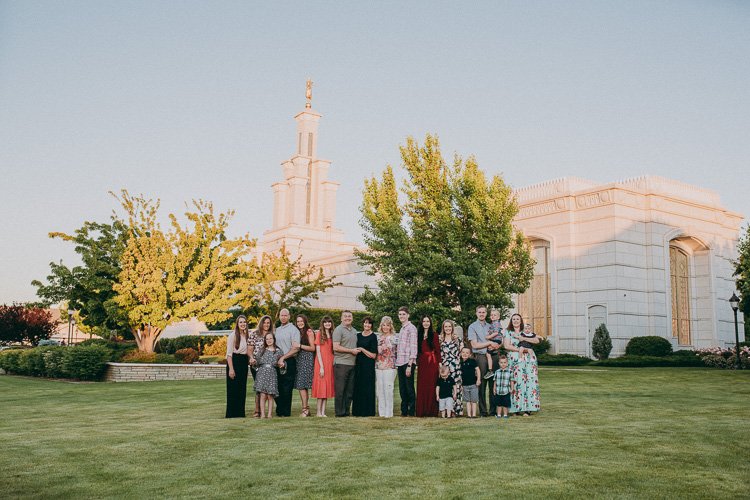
237, 363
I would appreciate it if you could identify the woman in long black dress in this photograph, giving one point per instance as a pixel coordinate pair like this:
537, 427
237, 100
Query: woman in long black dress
363, 404
237, 363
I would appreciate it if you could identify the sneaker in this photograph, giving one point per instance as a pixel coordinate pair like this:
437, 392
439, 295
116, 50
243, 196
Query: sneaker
489, 375
506, 416
498, 416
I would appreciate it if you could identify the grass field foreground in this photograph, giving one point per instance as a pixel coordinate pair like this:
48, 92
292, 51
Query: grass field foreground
661, 432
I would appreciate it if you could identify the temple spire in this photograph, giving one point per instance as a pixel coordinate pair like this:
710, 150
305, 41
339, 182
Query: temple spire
308, 93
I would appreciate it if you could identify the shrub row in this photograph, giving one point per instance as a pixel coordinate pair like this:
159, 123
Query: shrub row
84, 362
563, 360
149, 357
196, 342
682, 359
118, 349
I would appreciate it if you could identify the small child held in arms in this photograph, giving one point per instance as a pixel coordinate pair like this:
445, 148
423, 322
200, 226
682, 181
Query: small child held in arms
445, 392
470, 378
527, 333
266, 378
502, 387
495, 335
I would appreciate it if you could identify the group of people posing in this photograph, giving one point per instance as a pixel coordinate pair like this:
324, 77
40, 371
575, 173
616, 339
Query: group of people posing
358, 368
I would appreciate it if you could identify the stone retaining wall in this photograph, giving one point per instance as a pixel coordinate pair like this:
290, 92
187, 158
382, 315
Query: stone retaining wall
143, 372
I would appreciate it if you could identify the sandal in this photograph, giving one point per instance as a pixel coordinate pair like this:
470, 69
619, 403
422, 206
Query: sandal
305, 411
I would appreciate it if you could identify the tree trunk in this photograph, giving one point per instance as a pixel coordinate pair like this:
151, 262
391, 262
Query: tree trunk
146, 338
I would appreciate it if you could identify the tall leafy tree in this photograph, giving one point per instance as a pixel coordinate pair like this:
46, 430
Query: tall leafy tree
742, 273
87, 288
191, 271
447, 244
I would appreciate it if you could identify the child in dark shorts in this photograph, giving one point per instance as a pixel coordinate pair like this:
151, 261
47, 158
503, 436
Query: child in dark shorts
502, 387
470, 380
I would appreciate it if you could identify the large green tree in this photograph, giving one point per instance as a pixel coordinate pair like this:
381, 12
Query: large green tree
87, 288
443, 243
191, 271
742, 273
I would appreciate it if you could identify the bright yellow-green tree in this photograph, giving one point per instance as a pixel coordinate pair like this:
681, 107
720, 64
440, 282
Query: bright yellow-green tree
190, 271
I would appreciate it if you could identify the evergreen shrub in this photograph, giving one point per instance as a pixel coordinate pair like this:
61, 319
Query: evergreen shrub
648, 346
601, 344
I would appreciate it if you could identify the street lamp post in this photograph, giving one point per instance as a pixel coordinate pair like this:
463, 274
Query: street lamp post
734, 301
70, 325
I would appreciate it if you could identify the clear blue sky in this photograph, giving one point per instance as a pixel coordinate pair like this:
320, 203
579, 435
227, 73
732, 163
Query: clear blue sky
180, 100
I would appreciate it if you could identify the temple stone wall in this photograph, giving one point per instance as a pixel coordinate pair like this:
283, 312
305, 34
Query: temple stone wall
145, 372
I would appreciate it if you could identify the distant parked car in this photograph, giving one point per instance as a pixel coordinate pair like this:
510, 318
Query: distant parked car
48, 342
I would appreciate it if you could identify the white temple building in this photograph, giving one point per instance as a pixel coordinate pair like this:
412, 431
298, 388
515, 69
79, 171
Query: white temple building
645, 256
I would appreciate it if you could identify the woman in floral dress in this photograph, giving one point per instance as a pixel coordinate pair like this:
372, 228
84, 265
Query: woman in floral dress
305, 362
385, 367
450, 353
524, 369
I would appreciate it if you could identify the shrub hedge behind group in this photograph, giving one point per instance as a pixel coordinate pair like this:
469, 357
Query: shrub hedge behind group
82, 362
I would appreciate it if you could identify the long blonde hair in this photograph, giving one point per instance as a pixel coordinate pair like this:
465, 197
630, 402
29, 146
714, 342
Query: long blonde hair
454, 334
386, 320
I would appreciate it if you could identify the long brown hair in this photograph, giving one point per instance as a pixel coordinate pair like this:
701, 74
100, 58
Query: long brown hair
510, 323
237, 333
260, 323
263, 348
324, 335
304, 339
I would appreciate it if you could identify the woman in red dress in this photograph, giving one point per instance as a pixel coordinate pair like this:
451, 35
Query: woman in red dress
322, 387
428, 367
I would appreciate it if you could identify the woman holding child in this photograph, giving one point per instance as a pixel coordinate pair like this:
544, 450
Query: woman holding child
450, 353
523, 364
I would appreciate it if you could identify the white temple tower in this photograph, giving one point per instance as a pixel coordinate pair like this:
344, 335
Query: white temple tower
304, 206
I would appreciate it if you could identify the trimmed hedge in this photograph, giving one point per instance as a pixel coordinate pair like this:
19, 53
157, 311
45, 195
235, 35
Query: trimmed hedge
171, 346
84, 362
119, 349
648, 346
652, 361
563, 360
150, 357
88, 362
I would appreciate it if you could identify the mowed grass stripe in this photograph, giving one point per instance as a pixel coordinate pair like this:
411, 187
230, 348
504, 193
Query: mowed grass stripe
616, 433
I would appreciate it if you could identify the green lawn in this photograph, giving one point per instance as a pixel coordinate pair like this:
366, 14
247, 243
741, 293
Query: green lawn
605, 433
